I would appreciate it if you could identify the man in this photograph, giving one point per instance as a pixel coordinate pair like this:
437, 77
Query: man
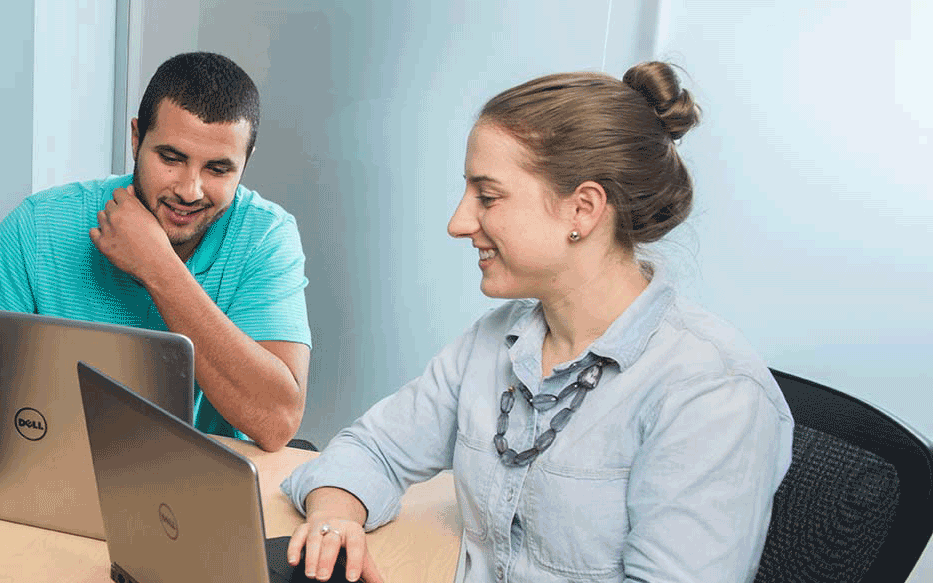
180, 245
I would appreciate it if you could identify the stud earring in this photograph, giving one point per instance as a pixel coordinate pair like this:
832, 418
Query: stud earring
574, 236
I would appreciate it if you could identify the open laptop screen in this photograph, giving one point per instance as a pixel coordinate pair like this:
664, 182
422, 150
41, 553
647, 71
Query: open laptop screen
46, 478
177, 505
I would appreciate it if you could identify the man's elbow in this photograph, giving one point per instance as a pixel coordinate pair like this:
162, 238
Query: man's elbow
280, 429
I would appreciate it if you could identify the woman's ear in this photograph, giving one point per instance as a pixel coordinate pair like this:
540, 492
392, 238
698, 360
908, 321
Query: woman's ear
589, 204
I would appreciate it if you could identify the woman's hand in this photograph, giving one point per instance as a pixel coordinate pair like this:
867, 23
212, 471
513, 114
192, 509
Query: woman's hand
334, 520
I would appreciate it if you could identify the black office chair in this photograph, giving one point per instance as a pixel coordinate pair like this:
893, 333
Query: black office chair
298, 443
856, 505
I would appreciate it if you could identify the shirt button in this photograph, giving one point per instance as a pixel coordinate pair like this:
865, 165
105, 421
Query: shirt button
500, 572
509, 494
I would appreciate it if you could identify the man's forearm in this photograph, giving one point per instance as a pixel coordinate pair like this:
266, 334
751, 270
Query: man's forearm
249, 385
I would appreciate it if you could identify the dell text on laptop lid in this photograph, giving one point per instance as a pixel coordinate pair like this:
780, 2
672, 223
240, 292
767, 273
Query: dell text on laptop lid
46, 476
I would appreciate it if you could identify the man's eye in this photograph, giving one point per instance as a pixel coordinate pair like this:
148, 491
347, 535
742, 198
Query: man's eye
218, 170
167, 158
485, 200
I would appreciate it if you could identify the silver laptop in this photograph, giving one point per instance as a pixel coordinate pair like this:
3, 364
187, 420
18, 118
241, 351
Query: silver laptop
177, 505
46, 476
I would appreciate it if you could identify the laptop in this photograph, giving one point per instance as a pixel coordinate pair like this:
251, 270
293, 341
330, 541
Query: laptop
177, 505
46, 476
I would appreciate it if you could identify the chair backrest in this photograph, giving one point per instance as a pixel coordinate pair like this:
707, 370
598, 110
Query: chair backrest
856, 505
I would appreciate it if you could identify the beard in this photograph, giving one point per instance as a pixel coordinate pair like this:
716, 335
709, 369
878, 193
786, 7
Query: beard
176, 237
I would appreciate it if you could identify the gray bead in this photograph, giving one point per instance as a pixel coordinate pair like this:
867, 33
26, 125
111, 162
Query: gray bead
586, 381
524, 458
543, 402
567, 390
590, 376
545, 440
577, 399
525, 392
503, 423
560, 420
506, 402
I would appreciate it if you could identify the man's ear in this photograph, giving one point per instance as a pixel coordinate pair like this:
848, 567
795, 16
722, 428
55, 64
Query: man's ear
589, 204
134, 132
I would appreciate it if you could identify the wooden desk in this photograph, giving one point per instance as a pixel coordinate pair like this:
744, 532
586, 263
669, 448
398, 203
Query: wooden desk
420, 546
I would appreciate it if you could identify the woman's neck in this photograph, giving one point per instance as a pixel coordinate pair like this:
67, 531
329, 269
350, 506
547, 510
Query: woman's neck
580, 314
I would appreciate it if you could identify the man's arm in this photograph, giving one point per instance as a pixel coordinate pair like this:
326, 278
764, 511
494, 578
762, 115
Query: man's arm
258, 387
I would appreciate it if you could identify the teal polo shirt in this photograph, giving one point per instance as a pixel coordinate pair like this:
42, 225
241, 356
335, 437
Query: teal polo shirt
250, 262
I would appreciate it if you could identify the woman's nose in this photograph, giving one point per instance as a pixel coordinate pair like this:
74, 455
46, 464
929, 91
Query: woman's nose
463, 223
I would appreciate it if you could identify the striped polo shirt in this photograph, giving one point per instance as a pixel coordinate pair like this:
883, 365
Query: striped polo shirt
250, 262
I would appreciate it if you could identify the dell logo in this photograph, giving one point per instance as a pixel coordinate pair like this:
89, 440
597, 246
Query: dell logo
30, 424
167, 518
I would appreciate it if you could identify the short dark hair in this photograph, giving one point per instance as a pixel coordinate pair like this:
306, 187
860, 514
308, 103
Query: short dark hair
209, 85
619, 133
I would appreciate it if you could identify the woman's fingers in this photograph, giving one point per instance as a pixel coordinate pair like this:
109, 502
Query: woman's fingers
331, 539
321, 542
297, 543
355, 542
304, 539
312, 553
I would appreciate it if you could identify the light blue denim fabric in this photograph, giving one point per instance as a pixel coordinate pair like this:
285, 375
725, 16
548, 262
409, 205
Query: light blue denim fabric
665, 473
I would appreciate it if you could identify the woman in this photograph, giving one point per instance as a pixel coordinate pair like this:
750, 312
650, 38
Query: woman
605, 430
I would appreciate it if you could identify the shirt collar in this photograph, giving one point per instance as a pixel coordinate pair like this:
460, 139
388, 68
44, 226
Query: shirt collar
623, 341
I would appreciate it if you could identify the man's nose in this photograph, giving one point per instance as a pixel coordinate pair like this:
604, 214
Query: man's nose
188, 188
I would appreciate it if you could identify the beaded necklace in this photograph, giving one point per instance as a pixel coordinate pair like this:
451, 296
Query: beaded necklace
586, 382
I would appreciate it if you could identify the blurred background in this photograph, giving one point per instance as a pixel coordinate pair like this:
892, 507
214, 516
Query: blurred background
814, 200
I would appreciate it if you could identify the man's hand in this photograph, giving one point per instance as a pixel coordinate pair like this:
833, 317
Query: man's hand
130, 236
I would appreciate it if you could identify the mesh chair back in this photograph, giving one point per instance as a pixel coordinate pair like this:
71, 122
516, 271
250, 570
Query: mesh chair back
855, 505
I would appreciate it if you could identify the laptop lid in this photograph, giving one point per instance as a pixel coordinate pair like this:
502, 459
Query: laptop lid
177, 505
46, 476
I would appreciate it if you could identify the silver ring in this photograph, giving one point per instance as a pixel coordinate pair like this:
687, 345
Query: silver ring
326, 528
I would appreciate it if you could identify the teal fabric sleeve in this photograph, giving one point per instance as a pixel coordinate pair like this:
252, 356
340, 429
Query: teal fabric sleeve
17, 260
270, 301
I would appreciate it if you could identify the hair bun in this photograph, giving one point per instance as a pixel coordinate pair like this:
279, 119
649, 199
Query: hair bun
660, 86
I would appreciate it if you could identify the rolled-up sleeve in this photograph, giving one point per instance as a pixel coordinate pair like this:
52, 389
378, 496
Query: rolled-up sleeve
405, 438
701, 487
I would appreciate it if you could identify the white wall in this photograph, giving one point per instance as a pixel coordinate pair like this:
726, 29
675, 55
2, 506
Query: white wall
16, 57
157, 31
73, 91
367, 106
56, 85
814, 210
812, 221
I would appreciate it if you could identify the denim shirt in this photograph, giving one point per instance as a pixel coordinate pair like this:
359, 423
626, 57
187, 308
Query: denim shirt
665, 473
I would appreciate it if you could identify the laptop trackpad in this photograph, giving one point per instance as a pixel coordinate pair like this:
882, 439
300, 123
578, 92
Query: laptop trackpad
281, 572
